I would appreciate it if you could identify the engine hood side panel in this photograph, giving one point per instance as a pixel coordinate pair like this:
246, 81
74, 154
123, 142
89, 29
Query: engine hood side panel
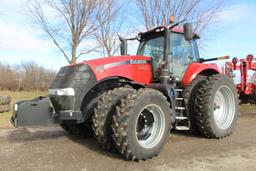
135, 68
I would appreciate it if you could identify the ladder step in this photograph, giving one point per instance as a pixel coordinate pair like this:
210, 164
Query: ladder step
180, 108
179, 98
181, 117
182, 128
178, 89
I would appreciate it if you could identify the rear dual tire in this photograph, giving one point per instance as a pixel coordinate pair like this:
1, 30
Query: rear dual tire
190, 92
216, 107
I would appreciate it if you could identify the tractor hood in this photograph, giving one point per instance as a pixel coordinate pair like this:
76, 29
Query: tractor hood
73, 82
135, 68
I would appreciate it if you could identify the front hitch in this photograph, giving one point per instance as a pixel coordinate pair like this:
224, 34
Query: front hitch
35, 112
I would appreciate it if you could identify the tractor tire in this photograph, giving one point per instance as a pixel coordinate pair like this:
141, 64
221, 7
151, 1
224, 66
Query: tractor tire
78, 130
190, 92
4, 108
142, 124
217, 107
4, 100
103, 116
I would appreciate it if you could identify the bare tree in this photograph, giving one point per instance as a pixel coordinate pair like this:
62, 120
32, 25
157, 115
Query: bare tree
109, 27
157, 12
7, 77
26, 76
68, 23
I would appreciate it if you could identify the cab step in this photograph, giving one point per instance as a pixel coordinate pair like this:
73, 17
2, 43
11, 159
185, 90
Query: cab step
182, 128
181, 117
180, 108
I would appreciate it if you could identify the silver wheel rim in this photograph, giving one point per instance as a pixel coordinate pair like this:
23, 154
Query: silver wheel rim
150, 126
224, 107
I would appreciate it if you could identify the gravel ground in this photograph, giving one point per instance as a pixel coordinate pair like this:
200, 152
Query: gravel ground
53, 149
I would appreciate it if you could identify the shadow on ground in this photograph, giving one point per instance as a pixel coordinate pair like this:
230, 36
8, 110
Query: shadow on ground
32, 134
22, 135
90, 143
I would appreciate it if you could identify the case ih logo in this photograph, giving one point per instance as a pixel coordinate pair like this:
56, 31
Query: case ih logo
115, 64
138, 61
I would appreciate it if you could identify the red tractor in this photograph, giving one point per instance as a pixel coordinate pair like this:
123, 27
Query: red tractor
131, 103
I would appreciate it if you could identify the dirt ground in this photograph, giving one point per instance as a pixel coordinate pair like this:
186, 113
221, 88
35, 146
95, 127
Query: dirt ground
53, 149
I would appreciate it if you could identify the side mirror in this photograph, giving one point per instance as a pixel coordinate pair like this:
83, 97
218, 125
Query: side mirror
123, 45
188, 31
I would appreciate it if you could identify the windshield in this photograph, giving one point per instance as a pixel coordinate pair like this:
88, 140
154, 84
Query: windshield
182, 52
152, 47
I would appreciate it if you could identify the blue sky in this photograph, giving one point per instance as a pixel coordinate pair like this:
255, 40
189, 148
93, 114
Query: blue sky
235, 34
232, 35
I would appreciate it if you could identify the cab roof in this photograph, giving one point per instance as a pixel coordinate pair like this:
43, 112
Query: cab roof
161, 28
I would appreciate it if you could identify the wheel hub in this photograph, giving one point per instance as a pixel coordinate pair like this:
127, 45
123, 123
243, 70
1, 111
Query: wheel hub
150, 126
224, 107
145, 124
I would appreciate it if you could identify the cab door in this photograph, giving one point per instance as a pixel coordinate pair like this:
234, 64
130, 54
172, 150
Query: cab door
182, 53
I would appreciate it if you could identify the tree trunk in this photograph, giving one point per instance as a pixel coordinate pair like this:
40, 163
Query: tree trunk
74, 58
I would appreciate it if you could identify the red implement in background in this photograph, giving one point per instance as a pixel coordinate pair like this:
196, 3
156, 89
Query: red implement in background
246, 89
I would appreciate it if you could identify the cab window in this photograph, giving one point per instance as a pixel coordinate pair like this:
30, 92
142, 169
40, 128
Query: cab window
180, 54
153, 47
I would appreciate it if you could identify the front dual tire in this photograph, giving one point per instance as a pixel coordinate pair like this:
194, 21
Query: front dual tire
135, 123
142, 124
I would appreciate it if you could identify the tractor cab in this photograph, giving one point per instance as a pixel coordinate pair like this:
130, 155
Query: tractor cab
181, 52
171, 48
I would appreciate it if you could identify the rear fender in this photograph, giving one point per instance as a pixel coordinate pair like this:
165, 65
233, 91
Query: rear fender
195, 69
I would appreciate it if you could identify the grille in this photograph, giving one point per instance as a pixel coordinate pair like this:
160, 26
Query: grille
79, 77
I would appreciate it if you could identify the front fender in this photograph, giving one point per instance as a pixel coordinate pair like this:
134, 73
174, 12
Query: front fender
195, 69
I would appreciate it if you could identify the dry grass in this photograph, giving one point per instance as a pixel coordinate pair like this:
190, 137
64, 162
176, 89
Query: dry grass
248, 109
16, 96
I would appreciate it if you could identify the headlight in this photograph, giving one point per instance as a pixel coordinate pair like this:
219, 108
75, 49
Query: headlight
15, 107
62, 92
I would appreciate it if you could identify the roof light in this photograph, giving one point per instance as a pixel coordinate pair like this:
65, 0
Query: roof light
171, 19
